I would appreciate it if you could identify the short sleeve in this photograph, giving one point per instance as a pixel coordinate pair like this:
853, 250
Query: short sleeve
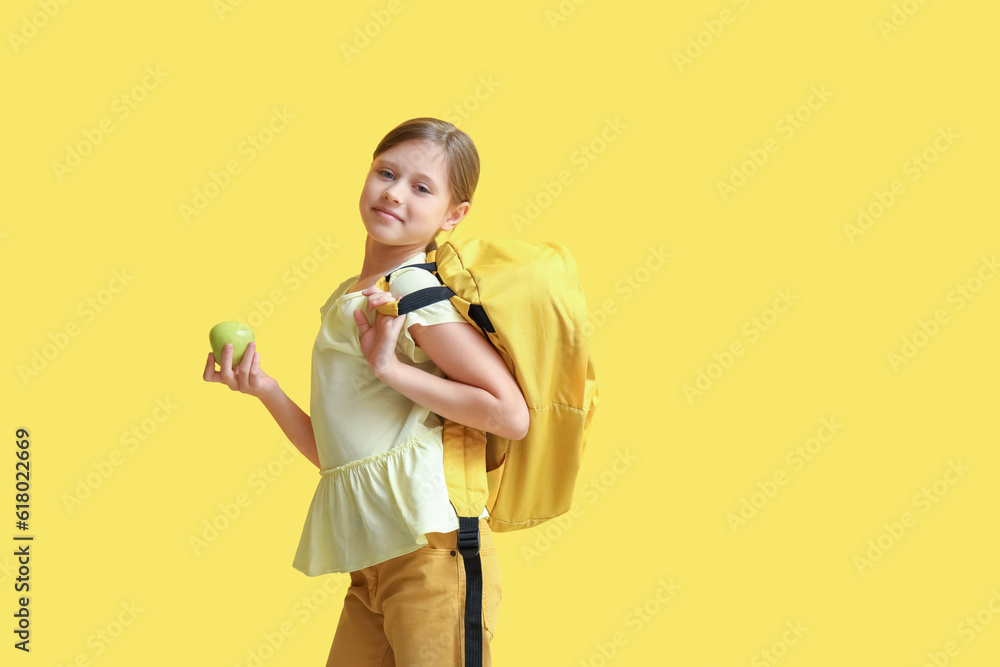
410, 280
337, 293
326, 306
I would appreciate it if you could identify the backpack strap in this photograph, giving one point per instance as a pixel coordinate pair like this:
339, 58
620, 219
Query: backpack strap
419, 298
468, 546
423, 297
464, 465
427, 296
427, 266
468, 490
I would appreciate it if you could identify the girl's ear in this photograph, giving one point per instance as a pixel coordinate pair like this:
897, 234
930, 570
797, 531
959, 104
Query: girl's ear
455, 216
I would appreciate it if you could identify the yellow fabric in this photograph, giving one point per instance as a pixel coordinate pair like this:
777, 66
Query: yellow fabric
382, 484
465, 468
411, 610
542, 334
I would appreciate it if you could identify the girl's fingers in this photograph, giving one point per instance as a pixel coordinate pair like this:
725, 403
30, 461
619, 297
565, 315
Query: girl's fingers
392, 325
211, 375
254, 378
248, 356
227, 361
228, 373
246, 365
377, 300
361, 321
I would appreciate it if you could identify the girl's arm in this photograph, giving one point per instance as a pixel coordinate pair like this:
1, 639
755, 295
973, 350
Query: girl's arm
250, 378
479, 391
295, 423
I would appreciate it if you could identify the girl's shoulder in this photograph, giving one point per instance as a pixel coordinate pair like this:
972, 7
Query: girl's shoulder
337, 293
410, 279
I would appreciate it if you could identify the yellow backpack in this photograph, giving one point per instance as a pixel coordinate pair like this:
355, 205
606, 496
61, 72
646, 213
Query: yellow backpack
527, 300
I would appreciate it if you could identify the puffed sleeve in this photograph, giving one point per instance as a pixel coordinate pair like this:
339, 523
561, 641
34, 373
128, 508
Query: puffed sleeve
410, 280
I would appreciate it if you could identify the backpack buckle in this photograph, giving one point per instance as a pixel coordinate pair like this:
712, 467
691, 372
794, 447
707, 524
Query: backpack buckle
468, 536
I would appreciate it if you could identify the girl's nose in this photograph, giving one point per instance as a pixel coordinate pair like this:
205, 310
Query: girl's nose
390, 193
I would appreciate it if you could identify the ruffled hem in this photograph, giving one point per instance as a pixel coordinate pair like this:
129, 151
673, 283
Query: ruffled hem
376, 508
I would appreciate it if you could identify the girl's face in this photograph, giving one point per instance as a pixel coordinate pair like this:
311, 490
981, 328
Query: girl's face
406, 198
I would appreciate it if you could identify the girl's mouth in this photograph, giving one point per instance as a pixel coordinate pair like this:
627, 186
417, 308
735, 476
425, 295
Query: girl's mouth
389, 216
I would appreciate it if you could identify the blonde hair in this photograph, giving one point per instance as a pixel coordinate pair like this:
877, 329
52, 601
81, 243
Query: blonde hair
460, 152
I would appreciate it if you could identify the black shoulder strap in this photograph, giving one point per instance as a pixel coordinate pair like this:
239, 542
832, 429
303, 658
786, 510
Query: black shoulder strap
422, 297
429, 266
468, 546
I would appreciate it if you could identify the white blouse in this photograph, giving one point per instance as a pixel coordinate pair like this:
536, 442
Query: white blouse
382, 482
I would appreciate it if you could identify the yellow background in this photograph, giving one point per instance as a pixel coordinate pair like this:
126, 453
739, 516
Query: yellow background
533, 84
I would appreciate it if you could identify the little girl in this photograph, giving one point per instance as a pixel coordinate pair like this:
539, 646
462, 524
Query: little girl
380, 387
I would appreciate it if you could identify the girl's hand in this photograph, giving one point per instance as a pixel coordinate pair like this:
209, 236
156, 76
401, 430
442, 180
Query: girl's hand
247, 378
378, 341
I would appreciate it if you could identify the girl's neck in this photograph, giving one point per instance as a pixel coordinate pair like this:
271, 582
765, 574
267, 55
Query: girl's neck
380, 259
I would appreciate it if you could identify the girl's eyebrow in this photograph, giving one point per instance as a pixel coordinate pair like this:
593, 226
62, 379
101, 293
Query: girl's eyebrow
389, 163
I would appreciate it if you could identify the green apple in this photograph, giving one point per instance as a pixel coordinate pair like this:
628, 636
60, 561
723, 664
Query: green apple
237, 334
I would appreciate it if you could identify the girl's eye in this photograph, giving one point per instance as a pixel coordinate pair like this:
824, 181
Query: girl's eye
388, 174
